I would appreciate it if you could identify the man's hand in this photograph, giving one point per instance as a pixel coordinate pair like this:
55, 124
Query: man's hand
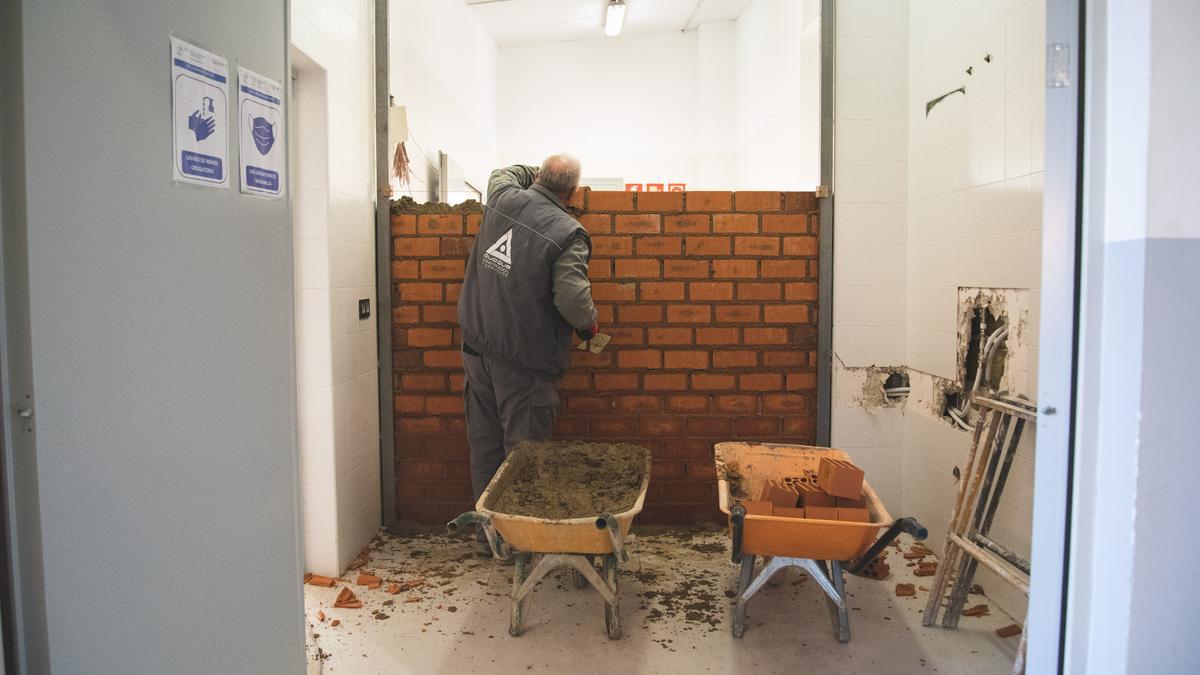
589, 332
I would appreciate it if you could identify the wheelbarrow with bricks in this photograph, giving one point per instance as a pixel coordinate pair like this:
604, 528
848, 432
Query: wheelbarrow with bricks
815, 540
541, 545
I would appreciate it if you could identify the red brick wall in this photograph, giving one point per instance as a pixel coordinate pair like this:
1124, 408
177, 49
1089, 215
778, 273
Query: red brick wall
711, 301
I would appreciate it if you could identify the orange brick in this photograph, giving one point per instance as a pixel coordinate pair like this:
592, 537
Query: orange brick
800, 426
756, 427
662, 425
405, 314
605, 314
428, 337
600, 268
802, 246
639, 358
610, 200
421, 425
606, 291
639, 403
614, 426
691, 223
839, 478
709, 201
785, 403
685, 269
456, 247
787, 269
709, 426
716, 336
799, 202
707, 245
659, 246
412, 405
735, 269
758, 291
801, 381
452, 291
735, 222
444, 405
802, 291
441, 223
642, 223
734, 359
711, 381
766, 336
596, 223
405, 269
736, 403
662, 290
443, 269
760, 381
419, 292
579, 198
440, 314
785, 224
738, 313
756, 246
689, 314
403, 224
710, 290
777, 359
663, 202
665, 382
640, 313
637, 269
416, 247
690, 403
423, 382
474, 220
616, 381
447, 358
689, 360
785, 314
612, 246
670, 336
627, 336
758, 201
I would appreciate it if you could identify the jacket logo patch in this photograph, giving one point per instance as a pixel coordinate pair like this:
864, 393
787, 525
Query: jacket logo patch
498, 257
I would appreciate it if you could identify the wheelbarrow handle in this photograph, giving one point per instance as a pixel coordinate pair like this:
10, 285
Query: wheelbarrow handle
500, 549
737, 519
608, 522
907, 525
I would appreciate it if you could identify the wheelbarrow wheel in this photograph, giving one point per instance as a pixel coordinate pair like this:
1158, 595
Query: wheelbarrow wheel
612, 611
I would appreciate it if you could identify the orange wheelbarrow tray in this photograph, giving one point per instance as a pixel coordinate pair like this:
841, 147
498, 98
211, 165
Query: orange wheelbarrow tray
820, 547
540, 545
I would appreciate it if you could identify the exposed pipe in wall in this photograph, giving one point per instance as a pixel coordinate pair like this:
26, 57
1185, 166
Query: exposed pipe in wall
961, 415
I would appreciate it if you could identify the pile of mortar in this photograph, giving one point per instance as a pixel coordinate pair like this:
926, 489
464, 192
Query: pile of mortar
573, 480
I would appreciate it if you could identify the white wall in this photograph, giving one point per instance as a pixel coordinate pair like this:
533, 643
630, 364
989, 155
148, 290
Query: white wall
625, 106
443, 70
335, 267
779, 95
716, 139
925, 206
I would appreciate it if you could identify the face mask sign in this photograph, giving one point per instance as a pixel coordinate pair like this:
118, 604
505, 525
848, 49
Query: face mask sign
262, 157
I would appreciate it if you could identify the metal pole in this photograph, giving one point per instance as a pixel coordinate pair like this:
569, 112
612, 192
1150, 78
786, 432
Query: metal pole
825, 242
383, 275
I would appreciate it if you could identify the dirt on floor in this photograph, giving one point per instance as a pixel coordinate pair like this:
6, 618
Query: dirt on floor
574, 480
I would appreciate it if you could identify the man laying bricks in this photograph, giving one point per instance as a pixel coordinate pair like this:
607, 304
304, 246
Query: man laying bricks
526, 290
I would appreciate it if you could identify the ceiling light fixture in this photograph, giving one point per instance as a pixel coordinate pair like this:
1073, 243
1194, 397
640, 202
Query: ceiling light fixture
614, 17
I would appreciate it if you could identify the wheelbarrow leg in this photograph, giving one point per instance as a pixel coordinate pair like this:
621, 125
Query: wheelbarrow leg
612, 610
739, 612
776, 578
769, 569
520, 600
837, 608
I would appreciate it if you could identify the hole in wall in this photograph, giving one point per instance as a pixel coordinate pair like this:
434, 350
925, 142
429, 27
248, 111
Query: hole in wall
896, 387
984, 324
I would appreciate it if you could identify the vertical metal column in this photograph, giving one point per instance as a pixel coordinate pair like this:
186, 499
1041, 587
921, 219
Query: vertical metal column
383, 270
825, 246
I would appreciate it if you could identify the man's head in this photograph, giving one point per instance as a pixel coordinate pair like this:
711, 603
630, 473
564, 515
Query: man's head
560, 175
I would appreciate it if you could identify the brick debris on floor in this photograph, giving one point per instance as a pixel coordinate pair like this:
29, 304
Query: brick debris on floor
677, 593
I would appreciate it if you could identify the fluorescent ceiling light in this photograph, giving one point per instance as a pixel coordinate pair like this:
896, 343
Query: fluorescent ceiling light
614, 17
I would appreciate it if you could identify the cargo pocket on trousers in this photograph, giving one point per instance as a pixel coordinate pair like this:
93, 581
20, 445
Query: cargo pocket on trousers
543, 409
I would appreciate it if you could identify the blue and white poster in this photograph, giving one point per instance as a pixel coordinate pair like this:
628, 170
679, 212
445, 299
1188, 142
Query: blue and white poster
260, 117
200, 115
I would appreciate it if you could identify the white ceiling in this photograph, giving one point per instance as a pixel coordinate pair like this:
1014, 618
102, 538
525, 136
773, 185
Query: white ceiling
514, 22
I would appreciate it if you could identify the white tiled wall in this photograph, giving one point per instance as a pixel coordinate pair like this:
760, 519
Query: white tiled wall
925, 206
870, 185
335, 267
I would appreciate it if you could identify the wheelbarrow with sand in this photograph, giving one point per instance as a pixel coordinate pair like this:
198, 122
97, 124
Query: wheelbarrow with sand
563, 504
821, 547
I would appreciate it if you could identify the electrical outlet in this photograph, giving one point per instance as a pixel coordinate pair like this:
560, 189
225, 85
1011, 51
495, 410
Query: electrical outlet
364, 309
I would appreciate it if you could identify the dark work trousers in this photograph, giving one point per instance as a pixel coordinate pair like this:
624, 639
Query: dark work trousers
504, 406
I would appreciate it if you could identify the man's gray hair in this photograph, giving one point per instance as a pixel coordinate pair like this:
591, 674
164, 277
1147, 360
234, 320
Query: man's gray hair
559, 174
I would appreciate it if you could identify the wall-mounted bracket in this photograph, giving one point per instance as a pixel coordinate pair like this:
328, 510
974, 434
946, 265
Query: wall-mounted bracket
929, 106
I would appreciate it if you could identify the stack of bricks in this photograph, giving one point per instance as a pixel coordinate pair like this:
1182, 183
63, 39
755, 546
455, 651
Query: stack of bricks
711, 301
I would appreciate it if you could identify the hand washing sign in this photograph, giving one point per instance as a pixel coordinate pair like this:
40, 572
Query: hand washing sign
200, 115
260, 118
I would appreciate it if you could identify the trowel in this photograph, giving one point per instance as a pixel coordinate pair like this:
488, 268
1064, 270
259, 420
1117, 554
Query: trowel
596, 344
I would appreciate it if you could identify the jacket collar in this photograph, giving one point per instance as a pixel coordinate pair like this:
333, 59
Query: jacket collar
549, 195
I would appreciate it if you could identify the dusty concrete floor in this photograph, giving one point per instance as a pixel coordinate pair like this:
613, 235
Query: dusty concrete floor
675, 609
